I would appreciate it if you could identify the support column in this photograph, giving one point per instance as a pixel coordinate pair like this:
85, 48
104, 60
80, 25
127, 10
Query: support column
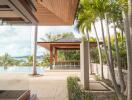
35, 51
51, 57
84, 64
56, 55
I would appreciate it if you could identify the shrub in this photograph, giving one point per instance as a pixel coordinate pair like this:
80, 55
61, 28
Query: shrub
97, 78
74, 90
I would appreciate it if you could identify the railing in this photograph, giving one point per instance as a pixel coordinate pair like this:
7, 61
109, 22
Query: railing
67, 65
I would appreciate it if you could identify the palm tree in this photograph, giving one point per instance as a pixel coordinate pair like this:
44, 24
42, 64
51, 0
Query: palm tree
55, 37
127, 19
124, 7
119, 94
121, 77
101, 7
86, 17
115, 15
84, 25
6, 60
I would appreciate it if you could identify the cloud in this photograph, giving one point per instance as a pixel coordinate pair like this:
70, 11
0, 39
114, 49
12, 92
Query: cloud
18, 40
15, 40
55, 29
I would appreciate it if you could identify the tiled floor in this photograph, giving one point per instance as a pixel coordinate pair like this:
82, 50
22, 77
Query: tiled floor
50, 86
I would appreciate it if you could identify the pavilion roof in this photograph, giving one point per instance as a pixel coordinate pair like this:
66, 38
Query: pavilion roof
69, 39
41, 12
67, 43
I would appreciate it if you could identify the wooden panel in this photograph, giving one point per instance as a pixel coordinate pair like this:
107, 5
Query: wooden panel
67, 47
11, 19
16, 9
64, 9
14, 94
4, 8
44, 12
46, 17
54, 5
45, 45
6, 14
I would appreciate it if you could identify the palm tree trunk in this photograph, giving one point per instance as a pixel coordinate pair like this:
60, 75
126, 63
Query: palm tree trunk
99, 51
110, 62
121, 77
35, 51
127, 34
130, 54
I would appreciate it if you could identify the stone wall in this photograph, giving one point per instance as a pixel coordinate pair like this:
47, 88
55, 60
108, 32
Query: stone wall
96, 68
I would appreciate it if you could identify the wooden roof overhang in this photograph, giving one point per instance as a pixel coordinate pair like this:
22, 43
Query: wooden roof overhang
40, 12
17, 12
64, 45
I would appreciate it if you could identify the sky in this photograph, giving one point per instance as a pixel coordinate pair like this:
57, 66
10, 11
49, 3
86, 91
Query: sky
18, 40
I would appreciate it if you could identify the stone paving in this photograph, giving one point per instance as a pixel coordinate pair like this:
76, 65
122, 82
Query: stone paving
49, 86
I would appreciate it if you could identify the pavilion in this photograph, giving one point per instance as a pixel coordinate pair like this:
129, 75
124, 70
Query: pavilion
65, 44
45, 13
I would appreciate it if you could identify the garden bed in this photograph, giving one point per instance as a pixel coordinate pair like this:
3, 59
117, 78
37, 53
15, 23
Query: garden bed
75, 91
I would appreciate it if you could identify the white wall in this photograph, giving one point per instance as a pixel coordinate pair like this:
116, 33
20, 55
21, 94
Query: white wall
97, 70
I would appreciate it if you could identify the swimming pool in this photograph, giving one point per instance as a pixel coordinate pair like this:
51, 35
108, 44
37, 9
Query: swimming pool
21, 69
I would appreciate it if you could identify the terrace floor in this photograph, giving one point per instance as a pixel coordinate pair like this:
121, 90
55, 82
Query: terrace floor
50, 86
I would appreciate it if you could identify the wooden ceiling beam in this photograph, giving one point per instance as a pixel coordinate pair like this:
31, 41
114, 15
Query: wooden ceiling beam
11, 19
6, 14
24, 9
5, 8
7, 2
19, 9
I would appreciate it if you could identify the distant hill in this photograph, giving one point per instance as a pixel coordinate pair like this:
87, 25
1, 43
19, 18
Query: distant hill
25, 57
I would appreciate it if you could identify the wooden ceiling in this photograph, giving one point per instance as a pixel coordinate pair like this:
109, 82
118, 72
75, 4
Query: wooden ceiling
17, 12
63, 11
41, 12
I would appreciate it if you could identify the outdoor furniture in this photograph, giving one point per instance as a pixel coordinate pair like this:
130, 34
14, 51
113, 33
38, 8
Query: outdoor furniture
14, 94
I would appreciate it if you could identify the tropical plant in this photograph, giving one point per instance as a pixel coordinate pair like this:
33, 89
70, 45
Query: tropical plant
74, 90
94, 55
6, 60
110, 61
102, 9
86, 17
69, 55
45, 60
116, 16
54, 37
29, 60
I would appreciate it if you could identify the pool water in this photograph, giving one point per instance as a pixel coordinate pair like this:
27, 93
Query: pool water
21, 69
